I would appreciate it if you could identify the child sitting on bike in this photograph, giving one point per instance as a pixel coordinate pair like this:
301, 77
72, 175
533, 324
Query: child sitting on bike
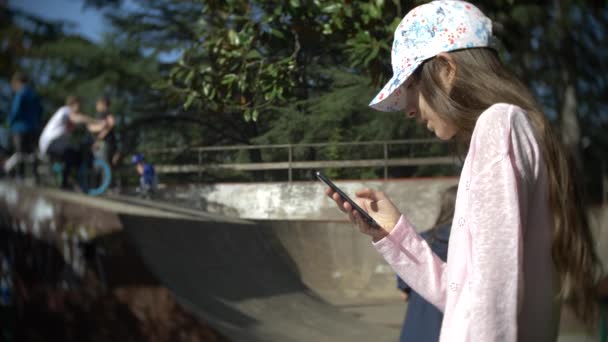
56, 138
147, 175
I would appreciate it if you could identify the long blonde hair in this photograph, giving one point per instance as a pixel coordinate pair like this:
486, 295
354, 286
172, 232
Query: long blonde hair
481, 81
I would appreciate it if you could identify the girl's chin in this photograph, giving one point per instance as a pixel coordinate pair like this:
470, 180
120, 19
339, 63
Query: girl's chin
441, 135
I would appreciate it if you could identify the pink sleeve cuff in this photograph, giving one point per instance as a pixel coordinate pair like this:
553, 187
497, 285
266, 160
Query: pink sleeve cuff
402, 230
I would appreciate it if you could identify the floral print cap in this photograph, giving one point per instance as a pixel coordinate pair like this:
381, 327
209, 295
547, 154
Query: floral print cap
427, 30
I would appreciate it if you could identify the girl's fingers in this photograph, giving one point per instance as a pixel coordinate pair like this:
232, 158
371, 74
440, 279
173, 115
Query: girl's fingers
367, 193
336, 197
351, 217
347, 206
342, 204
363, 227
339, 201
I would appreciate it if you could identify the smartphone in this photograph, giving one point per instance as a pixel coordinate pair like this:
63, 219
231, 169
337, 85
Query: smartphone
372, 223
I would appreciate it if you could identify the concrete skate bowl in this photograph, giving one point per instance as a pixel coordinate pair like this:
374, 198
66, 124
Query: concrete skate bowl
237, 275
270, 281
277, 279
253, 280
291, 273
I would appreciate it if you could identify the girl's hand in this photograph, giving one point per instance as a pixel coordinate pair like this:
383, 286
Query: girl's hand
376, 204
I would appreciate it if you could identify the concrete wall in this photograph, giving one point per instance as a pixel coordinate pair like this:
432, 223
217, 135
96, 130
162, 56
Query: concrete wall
296, 203
336, 261
418, 198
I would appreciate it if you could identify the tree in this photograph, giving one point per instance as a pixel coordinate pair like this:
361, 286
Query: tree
252, 56
558, 48
19, 33
272, 63
262, 71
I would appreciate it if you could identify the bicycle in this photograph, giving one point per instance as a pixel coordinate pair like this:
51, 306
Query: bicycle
93, 181
93, 175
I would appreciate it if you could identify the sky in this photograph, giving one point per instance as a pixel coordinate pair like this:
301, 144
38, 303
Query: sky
89, 22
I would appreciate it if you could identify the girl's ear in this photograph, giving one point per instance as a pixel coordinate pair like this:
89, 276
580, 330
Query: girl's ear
448, 69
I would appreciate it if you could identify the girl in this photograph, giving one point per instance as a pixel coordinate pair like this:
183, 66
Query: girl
520, 243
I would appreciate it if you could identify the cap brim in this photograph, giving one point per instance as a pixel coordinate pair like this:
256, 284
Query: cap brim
392, 97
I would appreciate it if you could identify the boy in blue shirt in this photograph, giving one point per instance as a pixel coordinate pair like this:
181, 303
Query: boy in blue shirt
147, 175
24, 123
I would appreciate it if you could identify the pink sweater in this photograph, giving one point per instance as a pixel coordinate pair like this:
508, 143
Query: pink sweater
499, 282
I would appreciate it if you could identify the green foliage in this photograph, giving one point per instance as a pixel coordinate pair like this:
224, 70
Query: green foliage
231, 70
252, 56
19, 34
337, 113
264, 71
72, 65
553, 44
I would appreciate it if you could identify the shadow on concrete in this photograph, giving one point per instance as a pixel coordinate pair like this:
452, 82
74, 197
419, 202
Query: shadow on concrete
213, 266
94, 291
240, 278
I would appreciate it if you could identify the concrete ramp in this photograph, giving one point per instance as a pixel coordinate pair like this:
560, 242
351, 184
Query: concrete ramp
241, 279
252, 281
262, 280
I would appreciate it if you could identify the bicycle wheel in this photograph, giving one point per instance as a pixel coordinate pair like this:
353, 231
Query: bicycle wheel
56, 170
96, 180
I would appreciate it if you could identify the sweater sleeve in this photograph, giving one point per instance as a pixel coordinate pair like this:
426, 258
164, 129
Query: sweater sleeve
414, 261
496, 212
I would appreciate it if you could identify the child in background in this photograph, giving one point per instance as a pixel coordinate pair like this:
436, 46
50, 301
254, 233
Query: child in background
57, 137
147, 175
24, 122
105, 141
